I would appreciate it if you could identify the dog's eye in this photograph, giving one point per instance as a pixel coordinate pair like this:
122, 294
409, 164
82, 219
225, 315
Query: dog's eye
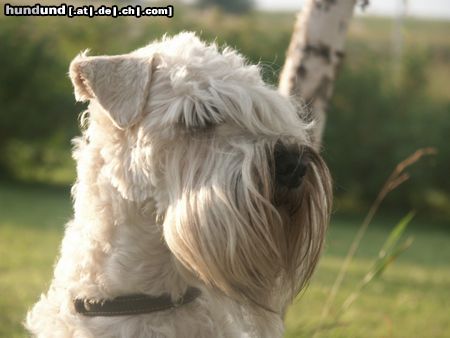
200, 117
193, 121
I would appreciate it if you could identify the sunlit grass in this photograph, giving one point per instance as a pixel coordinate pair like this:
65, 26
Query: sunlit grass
31, 225
410, 300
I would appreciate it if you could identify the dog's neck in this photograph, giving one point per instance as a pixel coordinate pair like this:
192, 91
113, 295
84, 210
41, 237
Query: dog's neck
123, 240
139, 261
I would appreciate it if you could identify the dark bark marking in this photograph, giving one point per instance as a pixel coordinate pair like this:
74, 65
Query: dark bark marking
321, 50
339, 55
363, 4
325, 4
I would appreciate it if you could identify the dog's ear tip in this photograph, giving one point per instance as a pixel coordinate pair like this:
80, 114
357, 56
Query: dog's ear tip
77, 60
79, 63
79, 74
82, 55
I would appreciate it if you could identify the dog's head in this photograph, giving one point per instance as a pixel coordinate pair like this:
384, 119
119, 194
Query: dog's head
244, 199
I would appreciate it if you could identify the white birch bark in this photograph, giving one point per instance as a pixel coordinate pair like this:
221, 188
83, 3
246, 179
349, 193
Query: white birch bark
315, 51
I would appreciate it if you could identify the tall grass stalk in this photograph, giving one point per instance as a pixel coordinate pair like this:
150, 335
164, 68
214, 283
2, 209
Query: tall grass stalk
386, 257
397, 177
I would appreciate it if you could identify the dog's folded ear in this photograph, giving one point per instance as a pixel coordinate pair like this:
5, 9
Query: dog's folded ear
120, 84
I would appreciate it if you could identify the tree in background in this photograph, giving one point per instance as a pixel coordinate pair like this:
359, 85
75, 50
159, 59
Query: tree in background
315, 52
231, 6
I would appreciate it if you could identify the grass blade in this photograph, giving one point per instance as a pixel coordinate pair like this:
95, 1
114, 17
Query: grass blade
396, 234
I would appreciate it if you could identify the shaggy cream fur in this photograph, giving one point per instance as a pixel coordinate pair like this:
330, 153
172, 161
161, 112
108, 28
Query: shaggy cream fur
176, 187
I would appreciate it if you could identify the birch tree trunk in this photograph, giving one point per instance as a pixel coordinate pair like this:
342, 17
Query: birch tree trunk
315, 51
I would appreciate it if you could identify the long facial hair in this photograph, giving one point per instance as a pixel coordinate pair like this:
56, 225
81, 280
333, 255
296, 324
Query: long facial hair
239, 228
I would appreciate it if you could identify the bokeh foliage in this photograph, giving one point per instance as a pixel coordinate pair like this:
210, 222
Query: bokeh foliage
379, 113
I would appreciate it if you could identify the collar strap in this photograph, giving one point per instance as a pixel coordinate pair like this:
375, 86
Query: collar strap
132, 304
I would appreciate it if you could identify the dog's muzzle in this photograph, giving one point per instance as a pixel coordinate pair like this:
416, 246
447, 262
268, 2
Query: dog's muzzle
132, 304
291, 164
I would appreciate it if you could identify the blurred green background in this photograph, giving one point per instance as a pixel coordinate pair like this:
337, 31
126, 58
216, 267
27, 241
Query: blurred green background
388, 102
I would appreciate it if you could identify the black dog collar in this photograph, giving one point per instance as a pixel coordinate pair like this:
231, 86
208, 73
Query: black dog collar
132, 304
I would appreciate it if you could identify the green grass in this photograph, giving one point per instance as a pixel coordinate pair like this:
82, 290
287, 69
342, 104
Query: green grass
410, 300
31, 227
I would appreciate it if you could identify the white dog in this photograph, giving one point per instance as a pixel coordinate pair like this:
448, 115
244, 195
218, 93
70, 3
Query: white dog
200, 208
